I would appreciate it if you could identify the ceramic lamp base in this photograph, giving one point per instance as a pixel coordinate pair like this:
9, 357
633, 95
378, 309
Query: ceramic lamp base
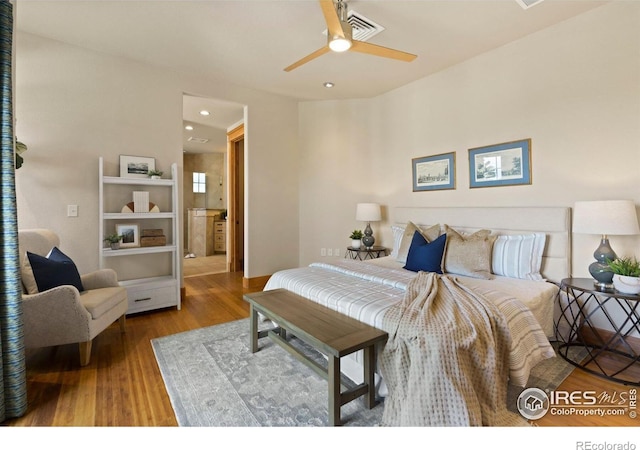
602, 275
368, 238
599, 269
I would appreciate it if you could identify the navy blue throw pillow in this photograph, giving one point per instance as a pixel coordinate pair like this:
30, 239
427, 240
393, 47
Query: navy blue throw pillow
426, 256
56, 269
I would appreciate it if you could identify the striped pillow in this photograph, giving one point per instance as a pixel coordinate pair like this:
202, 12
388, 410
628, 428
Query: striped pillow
518, 256
398, 232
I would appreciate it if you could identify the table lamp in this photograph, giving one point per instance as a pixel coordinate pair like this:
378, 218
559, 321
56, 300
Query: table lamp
368, 212
606, 217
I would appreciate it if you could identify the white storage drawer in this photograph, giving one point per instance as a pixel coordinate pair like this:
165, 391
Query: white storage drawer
144, 298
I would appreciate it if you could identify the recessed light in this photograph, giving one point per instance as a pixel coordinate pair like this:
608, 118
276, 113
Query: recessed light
204, 112
188, 127
328, 84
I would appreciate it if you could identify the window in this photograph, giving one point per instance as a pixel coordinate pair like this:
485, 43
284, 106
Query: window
199, 183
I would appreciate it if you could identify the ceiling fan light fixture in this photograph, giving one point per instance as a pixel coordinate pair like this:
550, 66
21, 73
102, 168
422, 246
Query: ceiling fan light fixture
340, 33
339, 44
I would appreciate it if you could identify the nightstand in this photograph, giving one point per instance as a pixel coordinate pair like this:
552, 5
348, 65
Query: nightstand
363, 253
603, 323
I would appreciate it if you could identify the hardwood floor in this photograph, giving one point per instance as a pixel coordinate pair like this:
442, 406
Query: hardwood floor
581, 381
122, 385
204, 265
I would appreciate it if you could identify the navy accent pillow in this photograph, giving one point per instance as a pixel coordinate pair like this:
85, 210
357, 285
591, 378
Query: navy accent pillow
56, 269
426, 256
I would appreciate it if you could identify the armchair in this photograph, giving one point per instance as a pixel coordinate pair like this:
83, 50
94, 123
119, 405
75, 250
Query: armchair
63, 315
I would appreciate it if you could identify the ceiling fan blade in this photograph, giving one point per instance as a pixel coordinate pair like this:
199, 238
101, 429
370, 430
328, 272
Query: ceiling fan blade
331, 18
308, 58
378, 50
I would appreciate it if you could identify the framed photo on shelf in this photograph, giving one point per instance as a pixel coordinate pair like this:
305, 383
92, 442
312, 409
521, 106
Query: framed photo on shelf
435, 172
130, 234
136, 166
503, 164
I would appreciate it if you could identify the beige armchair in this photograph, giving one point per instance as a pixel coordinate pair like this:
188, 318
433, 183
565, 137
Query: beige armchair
63, 315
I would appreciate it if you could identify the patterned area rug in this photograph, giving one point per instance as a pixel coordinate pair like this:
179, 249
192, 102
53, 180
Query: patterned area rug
213, 379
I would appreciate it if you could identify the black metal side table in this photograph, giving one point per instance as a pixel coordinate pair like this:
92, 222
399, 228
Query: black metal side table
604, 323
363, 253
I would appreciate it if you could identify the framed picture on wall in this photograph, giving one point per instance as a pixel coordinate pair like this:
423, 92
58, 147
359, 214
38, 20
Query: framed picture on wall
136, 166
130, 234
435, 172
503, 164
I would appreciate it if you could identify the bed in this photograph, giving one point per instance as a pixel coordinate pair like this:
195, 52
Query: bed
456, 338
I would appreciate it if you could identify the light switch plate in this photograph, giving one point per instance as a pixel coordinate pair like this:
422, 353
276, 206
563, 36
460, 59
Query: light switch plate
72, 210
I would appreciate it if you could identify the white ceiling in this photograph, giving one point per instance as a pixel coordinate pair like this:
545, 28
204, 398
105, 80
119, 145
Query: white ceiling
213, 127
250, 42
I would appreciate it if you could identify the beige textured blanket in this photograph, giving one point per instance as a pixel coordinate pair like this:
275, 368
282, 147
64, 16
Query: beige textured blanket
447, 358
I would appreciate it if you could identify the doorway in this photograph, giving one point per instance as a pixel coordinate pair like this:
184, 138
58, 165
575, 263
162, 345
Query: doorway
206, 183
235, 145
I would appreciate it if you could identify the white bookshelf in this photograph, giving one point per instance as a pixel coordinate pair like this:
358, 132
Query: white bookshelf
150, 274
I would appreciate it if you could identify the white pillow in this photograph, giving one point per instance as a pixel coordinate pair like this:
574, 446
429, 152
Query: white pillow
518, 256
398, 232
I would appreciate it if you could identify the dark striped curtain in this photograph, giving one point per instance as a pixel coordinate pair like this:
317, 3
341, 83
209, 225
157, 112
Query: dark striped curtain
13, 390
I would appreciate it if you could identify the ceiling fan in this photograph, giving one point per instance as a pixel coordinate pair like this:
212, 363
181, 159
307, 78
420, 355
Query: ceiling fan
339, 37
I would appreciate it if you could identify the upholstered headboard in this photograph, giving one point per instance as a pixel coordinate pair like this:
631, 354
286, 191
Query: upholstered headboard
555, 222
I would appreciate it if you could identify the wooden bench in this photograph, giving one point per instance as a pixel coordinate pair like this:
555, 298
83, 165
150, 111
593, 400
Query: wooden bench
331, 333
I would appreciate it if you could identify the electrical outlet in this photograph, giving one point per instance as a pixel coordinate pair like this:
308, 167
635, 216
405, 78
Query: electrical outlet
330, 252
323, 252
336, 252
72, 210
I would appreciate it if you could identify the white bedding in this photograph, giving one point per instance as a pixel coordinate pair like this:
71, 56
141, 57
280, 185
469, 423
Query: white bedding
366, 290
538, 296
357, 297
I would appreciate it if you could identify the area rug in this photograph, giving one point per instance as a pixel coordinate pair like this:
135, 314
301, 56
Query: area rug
213, 379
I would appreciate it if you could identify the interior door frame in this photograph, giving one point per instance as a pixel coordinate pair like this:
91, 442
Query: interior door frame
233, 258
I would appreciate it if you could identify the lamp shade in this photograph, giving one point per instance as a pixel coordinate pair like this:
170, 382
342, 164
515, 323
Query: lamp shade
606, 217
368, 212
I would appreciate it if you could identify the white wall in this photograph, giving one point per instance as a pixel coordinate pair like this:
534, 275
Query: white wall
573, 89
74, 105
334, 173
